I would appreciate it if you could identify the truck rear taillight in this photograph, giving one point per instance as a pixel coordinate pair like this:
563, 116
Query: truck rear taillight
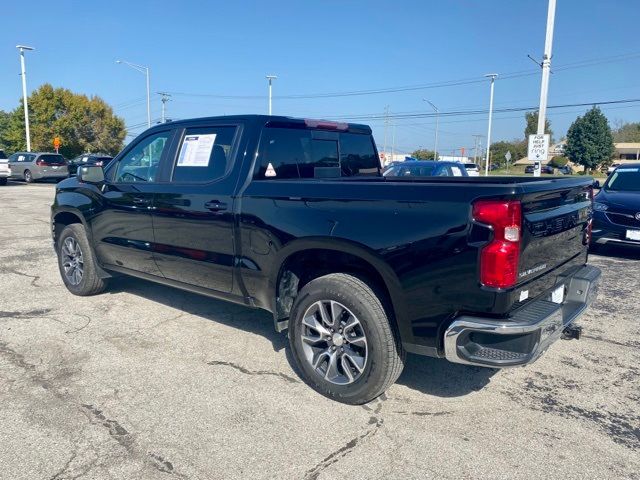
499, 258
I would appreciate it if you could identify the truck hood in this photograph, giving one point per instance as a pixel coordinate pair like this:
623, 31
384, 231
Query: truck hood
621, 199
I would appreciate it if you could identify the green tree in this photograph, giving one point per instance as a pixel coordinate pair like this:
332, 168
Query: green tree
424, 154
84, 124
531, 128
5, 119
590, 141
627, 132
517, 148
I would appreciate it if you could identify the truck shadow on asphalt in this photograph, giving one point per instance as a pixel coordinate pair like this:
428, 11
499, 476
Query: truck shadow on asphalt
428, 375
615, 251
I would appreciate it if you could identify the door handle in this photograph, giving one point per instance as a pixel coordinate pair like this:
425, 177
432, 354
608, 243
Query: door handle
215, 206
141, 201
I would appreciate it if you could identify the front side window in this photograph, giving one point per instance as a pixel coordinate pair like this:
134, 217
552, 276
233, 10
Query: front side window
142, 162
204, 154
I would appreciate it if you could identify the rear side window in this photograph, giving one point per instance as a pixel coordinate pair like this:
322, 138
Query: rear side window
287, 153
204, 154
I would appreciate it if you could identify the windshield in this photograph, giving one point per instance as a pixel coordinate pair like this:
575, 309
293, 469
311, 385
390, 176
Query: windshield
624, 179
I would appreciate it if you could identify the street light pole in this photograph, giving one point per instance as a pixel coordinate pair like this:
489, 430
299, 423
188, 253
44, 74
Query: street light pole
22, 48
271, 78
546, 67
435, 148
145, 70
492, 76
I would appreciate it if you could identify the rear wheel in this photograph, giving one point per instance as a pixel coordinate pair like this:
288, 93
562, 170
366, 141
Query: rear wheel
77, 264
342, 340
28, 176
3, 181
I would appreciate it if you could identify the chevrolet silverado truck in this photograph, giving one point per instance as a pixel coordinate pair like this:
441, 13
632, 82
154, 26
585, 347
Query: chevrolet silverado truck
294, 216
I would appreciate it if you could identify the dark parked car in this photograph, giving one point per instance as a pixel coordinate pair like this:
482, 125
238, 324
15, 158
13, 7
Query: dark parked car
293, 216
426, 168
616, 218
88, 159
543, 169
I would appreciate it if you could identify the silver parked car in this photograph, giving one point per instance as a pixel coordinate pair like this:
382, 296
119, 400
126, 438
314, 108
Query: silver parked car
30, 166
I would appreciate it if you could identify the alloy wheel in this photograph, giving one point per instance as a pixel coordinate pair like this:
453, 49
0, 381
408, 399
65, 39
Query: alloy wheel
334, 342
72, 260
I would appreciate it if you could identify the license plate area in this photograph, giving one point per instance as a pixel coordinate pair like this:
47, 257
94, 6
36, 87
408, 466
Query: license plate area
633, 235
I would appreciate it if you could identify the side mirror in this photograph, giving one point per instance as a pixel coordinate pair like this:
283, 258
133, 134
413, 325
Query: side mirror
596, 184
90, 174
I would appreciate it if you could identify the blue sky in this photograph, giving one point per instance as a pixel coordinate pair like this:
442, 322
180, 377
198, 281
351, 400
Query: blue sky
225, 48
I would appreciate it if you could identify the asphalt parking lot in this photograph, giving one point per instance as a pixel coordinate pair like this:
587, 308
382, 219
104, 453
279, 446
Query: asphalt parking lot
146, 382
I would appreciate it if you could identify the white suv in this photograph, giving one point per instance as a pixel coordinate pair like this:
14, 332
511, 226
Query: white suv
472, 169
5, 171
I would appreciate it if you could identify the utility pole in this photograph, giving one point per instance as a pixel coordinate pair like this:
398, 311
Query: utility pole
164, 98
386, 124
475, 150
435, 148
492, 76
270, 78
546, 66
22, 48
393, 143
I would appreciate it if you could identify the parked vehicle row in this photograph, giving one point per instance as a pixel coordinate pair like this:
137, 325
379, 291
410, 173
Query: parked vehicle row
33, 166
295, 217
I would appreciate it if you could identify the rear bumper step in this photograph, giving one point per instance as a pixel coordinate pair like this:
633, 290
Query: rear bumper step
527, 334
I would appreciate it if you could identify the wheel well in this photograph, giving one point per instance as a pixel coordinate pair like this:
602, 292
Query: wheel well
61, 220
302, 267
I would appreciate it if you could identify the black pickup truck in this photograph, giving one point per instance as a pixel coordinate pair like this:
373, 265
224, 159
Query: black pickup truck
294, 217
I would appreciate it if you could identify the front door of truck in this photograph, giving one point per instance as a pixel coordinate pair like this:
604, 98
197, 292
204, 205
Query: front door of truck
123, 229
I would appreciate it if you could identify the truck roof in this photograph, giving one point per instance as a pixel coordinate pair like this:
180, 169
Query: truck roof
276, 120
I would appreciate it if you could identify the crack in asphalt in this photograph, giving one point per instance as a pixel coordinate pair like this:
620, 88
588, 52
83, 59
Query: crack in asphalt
116, 431
37, 313
254, 372
620, 428
34, 278
631, 344
335, 456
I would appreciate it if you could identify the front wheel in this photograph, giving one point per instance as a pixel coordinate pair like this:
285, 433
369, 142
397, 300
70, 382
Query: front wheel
3, 181
76, 262
342, 340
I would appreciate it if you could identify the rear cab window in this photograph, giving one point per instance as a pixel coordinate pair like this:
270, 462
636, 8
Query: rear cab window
303, 153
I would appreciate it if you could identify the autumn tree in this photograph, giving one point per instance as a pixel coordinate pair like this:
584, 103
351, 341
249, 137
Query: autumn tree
84, 124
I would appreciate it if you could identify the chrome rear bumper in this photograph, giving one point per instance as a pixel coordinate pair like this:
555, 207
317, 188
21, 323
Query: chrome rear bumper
527, 334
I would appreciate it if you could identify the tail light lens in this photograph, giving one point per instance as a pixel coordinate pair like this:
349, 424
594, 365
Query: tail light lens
500, 257
98, 164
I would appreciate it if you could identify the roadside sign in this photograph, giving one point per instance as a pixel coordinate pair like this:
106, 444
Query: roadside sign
507, 156
538, 147
56, 143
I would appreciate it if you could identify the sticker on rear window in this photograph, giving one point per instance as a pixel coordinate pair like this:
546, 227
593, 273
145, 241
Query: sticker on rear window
270, 172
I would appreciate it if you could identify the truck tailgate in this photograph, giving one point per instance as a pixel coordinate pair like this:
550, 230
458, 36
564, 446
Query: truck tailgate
555, 227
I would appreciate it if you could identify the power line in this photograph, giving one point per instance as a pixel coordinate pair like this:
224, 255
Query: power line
407, 88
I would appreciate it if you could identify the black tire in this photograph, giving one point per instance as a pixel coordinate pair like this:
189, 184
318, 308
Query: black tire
90, 282
28, 176
385, 356
3, 181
